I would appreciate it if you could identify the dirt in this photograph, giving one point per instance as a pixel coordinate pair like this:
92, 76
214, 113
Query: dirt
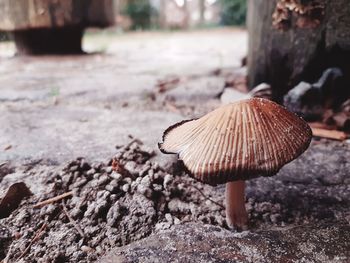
130, 197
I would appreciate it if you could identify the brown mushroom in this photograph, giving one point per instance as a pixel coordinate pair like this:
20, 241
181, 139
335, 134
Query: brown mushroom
236, 142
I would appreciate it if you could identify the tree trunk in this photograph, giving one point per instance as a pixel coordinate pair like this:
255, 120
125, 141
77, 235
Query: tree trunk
50, 26
66, 40
296, 40
202, 12
162, 16
186, 19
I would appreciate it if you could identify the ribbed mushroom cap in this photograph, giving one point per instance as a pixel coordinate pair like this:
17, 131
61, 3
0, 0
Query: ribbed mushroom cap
242, 140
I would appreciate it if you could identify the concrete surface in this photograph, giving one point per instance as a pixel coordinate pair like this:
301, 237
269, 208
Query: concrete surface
58, 108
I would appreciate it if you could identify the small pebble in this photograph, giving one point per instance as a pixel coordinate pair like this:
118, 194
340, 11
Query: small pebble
80, 183
125, 188
103, 179
86, 249
169, 218
109, 169
167, 180
116, 176
98, 250
74, 168
91, 172
112, 188
176, 221
96, 175
146, 181
127, 180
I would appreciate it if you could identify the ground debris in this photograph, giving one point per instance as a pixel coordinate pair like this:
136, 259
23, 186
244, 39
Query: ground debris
13, 198
168, 83
53, 199
110, 204
110, 209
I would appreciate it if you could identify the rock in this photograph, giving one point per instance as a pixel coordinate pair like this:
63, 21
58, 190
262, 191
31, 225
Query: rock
305, 100
203, 243
331, 82
263, 90
311, 100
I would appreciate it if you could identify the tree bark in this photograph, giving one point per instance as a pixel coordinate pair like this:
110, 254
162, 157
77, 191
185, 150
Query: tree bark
52, 27
34, 14
162, 16
291, 41
202, 12
186, 19
66, 40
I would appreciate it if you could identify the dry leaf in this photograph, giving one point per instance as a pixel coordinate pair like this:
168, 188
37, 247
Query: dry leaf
13, 198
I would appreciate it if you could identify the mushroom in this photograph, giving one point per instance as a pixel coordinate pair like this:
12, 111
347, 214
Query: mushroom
237, 142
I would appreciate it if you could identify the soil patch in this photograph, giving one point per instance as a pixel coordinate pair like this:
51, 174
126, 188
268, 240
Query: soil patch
130, 196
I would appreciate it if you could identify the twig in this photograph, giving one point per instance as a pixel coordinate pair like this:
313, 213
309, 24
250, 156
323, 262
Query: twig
330, 134
53, 199
77, 227
36, 237
206, 197
321, 125
8, 147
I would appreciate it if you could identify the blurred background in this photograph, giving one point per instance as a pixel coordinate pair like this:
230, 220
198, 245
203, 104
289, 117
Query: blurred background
158, 59
135, 15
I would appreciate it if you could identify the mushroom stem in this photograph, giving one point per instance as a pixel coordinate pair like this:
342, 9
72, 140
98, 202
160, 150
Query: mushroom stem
236, 214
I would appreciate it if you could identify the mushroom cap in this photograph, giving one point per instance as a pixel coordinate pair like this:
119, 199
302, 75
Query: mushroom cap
238, 141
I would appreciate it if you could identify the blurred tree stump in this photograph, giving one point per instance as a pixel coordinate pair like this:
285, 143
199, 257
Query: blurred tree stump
52, 26
294, 40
